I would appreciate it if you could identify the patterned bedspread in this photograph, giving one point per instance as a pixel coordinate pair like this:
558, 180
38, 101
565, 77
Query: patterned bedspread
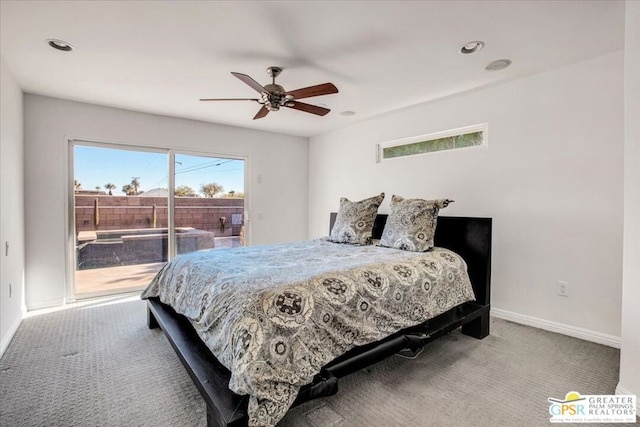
274, 315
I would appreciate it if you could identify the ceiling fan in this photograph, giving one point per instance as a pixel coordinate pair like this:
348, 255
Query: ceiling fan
274, 96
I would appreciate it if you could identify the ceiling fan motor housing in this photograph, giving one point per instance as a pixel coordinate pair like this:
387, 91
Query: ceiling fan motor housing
275, 98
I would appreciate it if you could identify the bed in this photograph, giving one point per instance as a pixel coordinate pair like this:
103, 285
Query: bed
470, 238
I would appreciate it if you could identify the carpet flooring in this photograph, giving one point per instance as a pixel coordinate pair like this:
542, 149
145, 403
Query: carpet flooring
99, 365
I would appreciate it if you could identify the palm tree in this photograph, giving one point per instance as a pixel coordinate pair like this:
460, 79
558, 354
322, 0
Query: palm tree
135, 184
110, 186
131, 189
211, 189
77, 184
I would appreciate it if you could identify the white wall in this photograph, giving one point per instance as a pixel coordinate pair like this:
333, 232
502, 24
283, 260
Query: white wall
551, 179
280, 196
630, 351
11, 206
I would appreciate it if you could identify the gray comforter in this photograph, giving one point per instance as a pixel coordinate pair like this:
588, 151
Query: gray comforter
274, 315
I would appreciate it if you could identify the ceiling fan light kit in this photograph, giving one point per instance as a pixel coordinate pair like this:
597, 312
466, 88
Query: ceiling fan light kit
273, 96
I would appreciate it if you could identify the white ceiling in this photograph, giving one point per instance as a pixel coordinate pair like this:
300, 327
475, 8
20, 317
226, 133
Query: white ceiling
160, 57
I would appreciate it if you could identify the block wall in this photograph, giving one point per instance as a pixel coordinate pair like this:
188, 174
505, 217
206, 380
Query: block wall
127, 212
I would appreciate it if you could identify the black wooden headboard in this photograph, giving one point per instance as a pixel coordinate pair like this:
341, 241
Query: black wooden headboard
468, 237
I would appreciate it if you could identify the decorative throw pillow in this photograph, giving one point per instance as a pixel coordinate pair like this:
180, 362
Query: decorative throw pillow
412, 223
354, 222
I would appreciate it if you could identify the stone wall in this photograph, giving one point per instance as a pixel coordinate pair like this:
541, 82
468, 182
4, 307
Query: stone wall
127, 212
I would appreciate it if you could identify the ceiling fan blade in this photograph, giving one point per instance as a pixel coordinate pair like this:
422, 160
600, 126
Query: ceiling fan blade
248, 80
261, 113
317, 90
308, 108
229, 99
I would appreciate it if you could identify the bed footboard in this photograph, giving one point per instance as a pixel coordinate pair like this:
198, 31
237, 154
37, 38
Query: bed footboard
478, 327
152, 323
224, 407
227, 409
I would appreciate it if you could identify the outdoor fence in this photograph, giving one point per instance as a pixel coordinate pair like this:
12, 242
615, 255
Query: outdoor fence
103, 212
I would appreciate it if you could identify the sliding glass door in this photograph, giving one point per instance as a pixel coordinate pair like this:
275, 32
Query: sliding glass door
120, 219
208, 202
125, 224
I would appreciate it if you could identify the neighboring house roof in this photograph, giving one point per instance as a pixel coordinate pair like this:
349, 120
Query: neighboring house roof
90, 192
155, 192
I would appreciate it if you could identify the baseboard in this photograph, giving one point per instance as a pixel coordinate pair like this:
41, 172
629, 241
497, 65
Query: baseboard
561, 328
10, 333
623, 391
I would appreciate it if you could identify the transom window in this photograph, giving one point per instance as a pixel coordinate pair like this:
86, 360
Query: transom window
467, 137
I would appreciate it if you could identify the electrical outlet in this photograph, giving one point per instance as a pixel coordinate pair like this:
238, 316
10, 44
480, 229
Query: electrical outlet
563, 288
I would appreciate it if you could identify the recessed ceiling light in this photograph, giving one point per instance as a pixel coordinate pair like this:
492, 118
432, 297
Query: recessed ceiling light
497, 65
347, 113
60, 45
471, 47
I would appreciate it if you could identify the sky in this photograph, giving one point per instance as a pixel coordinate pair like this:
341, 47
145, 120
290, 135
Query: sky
97, 166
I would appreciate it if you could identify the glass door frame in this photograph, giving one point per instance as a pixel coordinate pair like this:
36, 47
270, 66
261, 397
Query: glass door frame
172, 183
70, 223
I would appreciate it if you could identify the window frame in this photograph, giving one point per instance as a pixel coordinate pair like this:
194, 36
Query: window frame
481, 127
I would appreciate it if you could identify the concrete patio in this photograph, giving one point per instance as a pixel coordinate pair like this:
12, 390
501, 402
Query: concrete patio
127, 278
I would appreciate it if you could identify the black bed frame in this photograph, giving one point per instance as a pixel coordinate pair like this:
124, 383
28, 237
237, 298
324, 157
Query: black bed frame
469, 237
